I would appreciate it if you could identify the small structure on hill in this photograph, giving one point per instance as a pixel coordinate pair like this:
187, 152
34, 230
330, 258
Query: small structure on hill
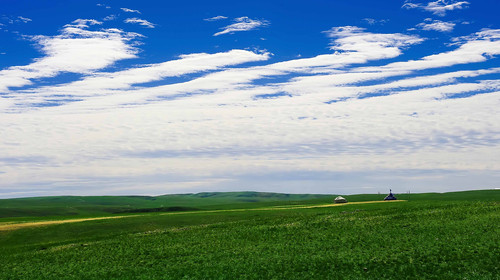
390, 196
340, 199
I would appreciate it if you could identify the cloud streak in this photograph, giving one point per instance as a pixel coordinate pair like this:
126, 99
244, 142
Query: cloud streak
76, 50
216, 18
439, 7
139, 21
242, 24
24, 19
130, 10
436, 25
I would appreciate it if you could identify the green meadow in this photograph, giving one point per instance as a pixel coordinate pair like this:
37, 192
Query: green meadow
102, 205
248, 235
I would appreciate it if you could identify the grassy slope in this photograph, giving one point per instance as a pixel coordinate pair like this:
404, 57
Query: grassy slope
102, 205
98, 205
454, 237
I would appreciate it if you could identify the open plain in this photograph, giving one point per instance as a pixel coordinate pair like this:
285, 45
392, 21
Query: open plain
428, 236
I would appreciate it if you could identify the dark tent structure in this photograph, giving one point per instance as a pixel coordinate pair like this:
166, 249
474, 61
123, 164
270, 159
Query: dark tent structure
390, 196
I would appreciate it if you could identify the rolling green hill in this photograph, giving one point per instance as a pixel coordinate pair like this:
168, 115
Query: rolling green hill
99, 205
431, 236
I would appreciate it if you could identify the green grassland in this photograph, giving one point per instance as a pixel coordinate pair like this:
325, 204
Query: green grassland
429, 236
55, 206
99, 205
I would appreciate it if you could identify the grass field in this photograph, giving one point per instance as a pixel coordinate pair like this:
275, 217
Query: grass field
429, 236
99, 205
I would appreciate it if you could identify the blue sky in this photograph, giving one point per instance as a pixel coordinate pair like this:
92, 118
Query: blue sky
155, 97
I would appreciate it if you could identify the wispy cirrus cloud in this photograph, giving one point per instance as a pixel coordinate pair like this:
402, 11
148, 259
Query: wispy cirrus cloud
353, 38
475, 48
102, 83
436, 25
103, 5
24, 19
127, 10
77, 50
216, 18
242, 24
110, 17
139, 21
83, 23
12, 20
343, 111
439, 7
372, 21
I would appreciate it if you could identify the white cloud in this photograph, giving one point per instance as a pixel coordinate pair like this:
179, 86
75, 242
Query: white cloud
102, 5
436, 25
83, 23
486, 34
372, 21
439, 7
110, 17
242, 24
24, 19
352, 38
478, 47
130, 10
370, 47
139, 21
410, 5
76, 50
333, 116
186, 64
13, 20
215, 18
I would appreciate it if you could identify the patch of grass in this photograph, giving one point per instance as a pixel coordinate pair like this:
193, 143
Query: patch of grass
454, 238
161, 209
100, 205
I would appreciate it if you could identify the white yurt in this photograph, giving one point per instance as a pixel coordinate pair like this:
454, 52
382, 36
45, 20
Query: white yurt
340, 199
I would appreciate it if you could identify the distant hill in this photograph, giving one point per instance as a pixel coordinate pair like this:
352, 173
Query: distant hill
98, 205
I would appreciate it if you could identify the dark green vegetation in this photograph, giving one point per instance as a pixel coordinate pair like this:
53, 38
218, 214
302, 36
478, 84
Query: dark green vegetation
99, 205
432, 236
103, 205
